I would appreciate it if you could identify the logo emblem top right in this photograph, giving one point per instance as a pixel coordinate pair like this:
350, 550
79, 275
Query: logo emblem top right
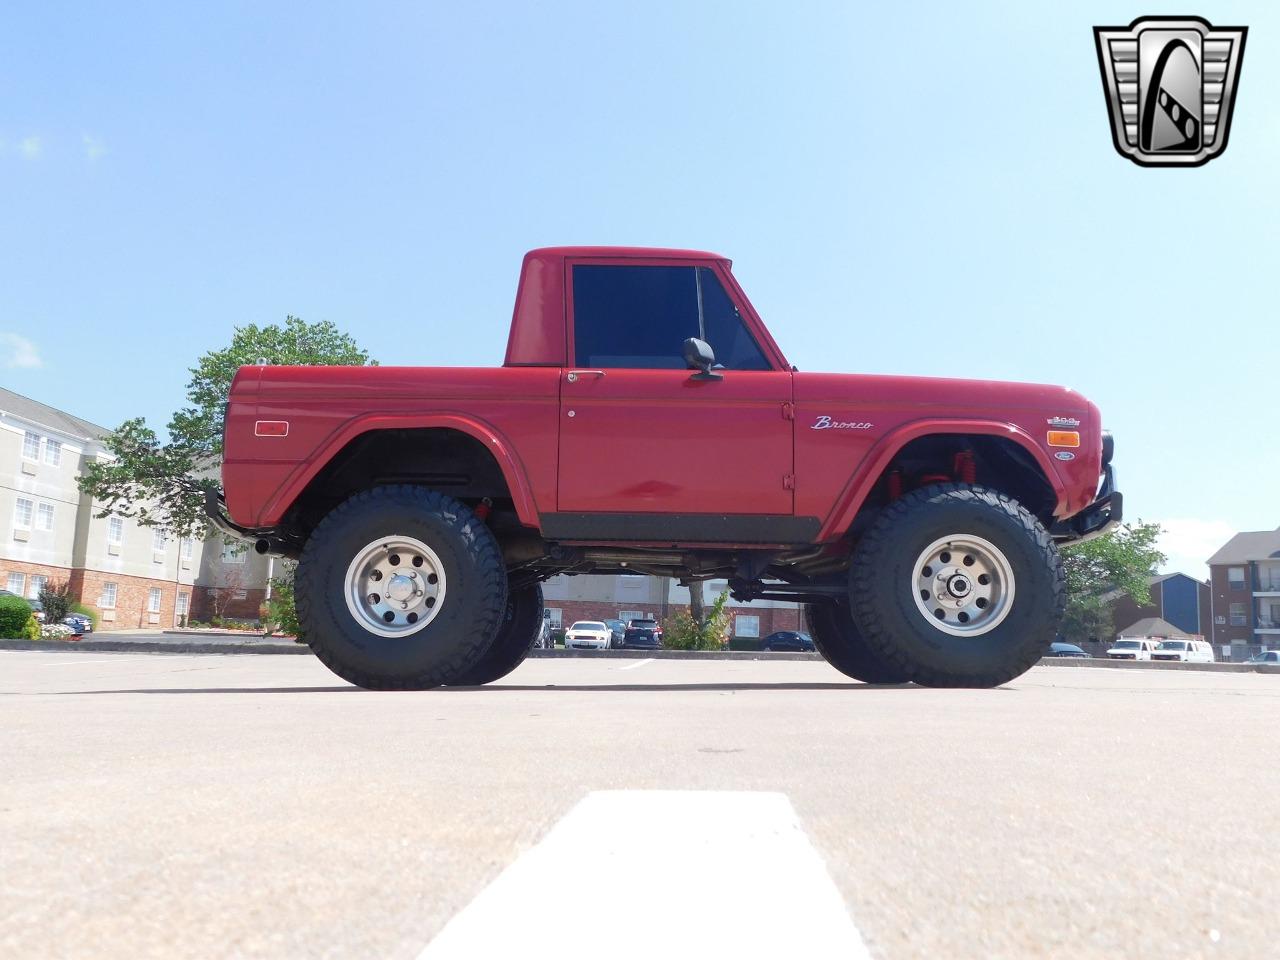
1170, 84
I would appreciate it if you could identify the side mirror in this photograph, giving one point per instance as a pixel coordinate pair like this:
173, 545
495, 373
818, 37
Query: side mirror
698, 355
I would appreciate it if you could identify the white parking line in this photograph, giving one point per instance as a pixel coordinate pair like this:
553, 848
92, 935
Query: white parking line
638, 663
637, 873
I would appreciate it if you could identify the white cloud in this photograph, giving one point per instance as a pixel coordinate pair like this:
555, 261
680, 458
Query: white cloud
31, 147
93, 147
17, 351
1188, 543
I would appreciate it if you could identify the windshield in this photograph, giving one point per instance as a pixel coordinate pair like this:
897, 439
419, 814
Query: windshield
643, 624
588, 625
1127, 645
1172, 645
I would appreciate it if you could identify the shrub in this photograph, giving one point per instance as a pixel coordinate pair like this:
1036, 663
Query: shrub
57, 601
682, 632
14, 614
55, 631
281, 612
31, 629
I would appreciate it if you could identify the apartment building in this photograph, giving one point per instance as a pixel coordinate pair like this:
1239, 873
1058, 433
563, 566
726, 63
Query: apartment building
1244, 577
131, 575
633, 596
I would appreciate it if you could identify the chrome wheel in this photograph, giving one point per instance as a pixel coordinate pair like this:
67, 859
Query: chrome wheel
395, 586
963, 585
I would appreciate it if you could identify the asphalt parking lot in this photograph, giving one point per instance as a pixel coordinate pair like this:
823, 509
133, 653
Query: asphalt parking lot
179, 806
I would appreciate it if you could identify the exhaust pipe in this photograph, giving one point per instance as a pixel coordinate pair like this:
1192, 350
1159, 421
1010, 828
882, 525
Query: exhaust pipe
277, 548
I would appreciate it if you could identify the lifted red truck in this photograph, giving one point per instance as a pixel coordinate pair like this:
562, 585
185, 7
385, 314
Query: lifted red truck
645, 421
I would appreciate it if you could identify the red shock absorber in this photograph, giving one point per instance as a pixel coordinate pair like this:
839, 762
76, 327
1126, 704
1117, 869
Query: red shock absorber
964, 467
483, 509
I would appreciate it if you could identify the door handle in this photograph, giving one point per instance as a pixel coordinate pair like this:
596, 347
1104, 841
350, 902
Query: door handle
575, 374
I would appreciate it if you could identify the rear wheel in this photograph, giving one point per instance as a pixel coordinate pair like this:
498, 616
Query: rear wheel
519, 630
400, 588
841, 644
958, 586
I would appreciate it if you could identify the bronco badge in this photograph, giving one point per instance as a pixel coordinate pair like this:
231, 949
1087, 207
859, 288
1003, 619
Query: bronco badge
1170, 84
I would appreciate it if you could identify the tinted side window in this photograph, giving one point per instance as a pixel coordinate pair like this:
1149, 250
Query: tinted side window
635, 317
724, 330
640, 317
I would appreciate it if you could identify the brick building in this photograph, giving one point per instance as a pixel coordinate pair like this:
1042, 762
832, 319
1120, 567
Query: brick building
1176, 598
132, 576
1244, 579
632, 596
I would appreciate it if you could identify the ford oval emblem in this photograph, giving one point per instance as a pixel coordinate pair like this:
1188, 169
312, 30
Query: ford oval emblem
1065, 455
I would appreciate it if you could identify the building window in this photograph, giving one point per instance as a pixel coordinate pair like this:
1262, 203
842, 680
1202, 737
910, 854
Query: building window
233, 552
17, 583
44, 516
744, 626
1235, 578
153, 600
22, 509
240, 595
555, 618
1238, 615
38, 583
626, 616
53, 452
187, 546
107, 600
157, 540
182, 604
30, 446
115, 530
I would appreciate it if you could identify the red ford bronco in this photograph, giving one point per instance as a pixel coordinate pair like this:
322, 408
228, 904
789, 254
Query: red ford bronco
645, 421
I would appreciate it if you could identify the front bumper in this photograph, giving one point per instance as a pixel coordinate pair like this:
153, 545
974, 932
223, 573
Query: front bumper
1100, 517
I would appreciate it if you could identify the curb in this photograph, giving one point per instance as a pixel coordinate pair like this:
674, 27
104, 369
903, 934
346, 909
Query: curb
152, 646
295, 649
559, 654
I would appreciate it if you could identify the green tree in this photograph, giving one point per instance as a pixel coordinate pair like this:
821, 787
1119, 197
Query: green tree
56, 599
685, 632
162, 482
1123, 560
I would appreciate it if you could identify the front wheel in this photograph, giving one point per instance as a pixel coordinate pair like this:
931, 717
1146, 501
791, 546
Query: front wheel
400, 588
958, 586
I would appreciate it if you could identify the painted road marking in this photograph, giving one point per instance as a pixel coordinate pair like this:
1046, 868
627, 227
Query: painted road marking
661, 873
638, 663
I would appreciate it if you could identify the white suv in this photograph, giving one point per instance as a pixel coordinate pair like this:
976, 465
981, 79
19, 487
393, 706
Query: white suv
1190, 651
1127, 648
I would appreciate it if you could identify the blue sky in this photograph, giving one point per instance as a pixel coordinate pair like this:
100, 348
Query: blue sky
904, 188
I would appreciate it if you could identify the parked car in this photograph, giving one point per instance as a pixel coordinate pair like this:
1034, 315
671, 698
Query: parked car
1060, 649
1266, 656
588, 635
1131, 649
1190, 651
78, 622
642, 635
619, 630
788, 640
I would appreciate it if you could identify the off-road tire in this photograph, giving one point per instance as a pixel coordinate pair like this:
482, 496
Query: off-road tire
521, 624
882, 589
842, 645
459, 633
